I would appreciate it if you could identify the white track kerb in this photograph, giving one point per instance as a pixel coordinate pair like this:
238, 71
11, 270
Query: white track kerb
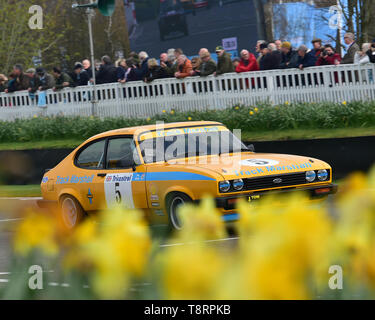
142, 100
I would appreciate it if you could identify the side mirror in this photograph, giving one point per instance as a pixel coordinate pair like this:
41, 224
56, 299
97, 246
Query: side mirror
251, 147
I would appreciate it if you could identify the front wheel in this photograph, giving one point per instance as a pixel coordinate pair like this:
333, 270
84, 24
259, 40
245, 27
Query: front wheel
71, 212
173, 204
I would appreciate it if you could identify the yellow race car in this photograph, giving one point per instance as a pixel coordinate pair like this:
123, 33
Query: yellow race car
159, 167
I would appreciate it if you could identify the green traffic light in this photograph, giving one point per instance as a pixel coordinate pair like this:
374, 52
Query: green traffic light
106, 7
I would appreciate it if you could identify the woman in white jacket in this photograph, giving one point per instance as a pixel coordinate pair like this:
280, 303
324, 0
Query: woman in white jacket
360, 58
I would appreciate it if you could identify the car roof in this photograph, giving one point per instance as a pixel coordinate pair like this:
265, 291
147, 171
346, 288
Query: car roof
145, 128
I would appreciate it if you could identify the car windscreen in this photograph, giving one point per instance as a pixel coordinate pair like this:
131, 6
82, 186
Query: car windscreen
180, 146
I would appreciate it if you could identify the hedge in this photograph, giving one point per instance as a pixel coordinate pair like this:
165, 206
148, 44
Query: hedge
262, 117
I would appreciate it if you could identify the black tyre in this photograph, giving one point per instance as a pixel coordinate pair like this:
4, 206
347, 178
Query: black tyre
71, 212
174, 201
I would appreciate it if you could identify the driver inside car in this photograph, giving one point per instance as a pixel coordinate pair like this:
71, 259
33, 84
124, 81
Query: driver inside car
127, 155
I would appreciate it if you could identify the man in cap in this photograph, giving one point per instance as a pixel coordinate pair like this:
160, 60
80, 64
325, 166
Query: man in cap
258, 51
224, 62
82, 76
208, 66
317, 47
44, 80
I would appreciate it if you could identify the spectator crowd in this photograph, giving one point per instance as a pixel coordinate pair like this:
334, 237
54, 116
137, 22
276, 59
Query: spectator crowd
174, 63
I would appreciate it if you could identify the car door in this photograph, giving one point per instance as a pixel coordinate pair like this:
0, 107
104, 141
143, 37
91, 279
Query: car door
124, 180
87, 176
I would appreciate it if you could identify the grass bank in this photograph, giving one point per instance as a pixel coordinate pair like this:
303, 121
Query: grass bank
20, 191
296, 134
258, 123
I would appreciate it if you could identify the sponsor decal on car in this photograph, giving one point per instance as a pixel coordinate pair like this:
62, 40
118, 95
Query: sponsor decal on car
74, 179
273, 168
118, 189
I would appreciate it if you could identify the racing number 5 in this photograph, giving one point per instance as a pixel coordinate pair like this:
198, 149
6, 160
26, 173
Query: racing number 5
117, 192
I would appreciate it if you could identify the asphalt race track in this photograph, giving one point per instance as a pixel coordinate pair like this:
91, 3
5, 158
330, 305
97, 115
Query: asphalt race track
8, 220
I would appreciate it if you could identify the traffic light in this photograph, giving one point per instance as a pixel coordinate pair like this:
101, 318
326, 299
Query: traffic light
106, 7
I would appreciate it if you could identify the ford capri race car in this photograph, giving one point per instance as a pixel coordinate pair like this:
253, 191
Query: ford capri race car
158, 168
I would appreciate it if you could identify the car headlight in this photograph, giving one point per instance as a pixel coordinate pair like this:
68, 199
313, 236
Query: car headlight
310, 176
224, 186
238, 184
322, 175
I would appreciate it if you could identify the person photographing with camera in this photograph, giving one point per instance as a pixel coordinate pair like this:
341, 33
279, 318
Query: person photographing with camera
328, 57
371, 52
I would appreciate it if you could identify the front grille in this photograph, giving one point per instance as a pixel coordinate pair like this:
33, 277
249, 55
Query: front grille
288, 180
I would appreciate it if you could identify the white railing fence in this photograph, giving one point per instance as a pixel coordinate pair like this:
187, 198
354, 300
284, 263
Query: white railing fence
142, 100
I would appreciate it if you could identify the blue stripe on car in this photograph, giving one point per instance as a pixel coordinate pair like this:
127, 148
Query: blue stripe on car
230, 217
170, 176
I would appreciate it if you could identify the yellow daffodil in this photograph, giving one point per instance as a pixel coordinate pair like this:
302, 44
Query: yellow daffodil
192, 272
256, 109
118, 248
344, 103
251, 113
203, 222
189, 118
36, 231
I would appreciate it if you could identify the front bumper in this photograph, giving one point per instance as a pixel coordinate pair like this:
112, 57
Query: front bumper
320, 191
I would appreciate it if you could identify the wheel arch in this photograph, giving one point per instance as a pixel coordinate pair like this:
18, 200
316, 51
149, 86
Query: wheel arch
70, 192
178, 189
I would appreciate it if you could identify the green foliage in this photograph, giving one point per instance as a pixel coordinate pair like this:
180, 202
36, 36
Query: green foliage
263, 117
64, 37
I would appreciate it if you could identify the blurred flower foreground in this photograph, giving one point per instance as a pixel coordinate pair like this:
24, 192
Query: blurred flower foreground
285, 250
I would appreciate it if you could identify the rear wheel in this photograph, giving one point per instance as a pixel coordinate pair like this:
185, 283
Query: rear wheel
174, 202
71, 212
